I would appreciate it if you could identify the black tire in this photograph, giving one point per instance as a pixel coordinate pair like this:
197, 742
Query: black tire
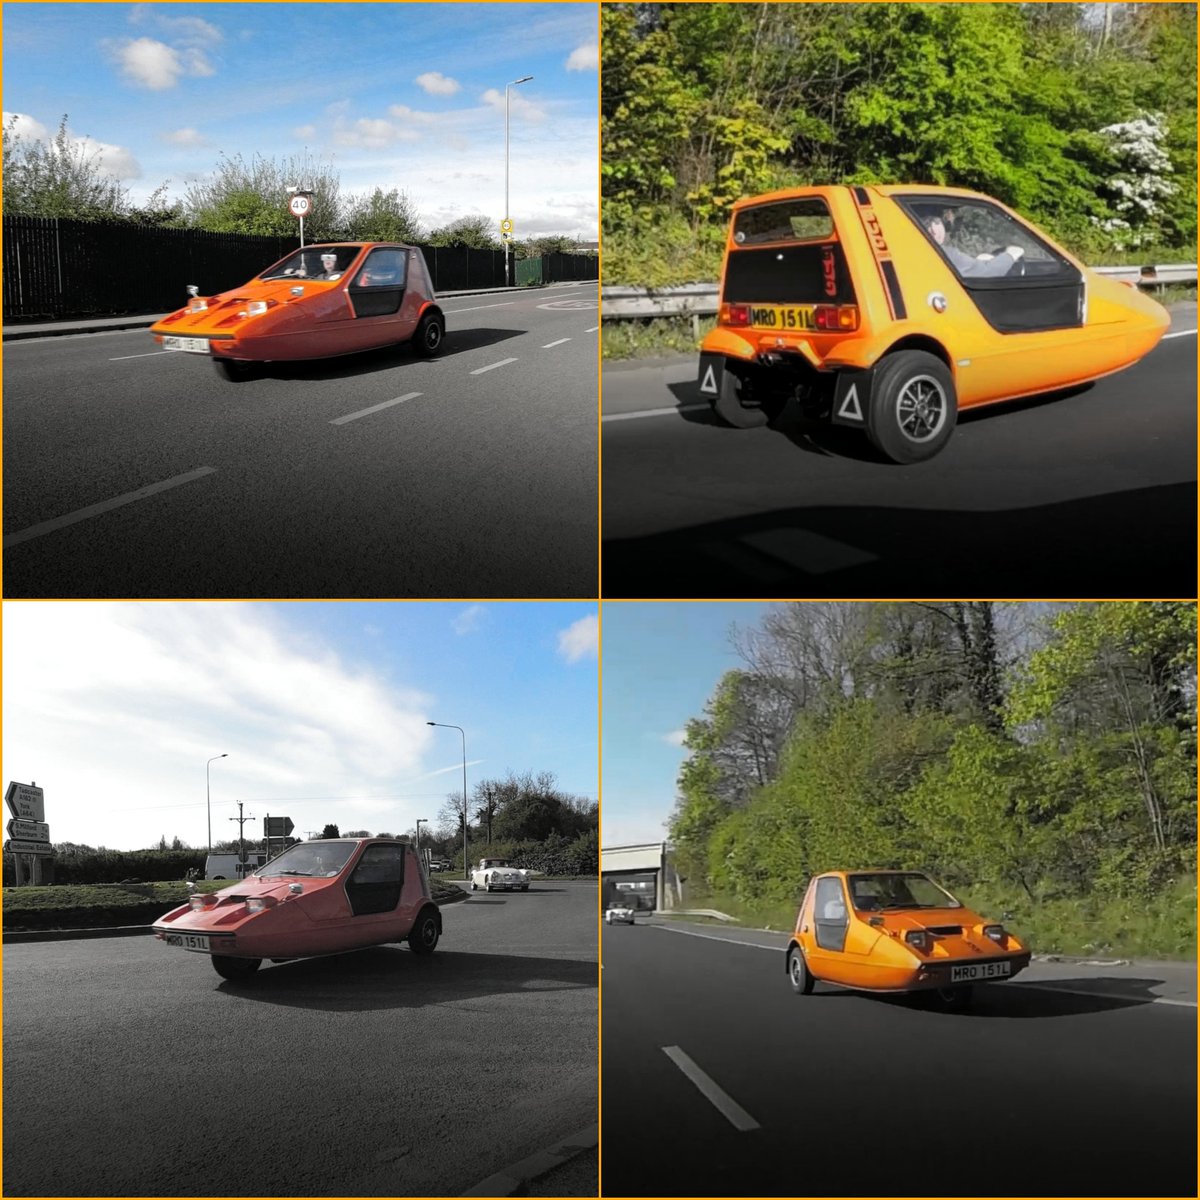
233, 370
955, 999
423, 937
798, 973
431, 332
737, 405
235, 968
913, 406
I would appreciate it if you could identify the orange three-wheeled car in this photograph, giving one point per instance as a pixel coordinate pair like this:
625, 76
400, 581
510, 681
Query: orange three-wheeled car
324, 300
896, 931
890, 308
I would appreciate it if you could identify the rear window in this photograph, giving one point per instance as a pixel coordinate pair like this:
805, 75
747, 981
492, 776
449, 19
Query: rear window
786, 221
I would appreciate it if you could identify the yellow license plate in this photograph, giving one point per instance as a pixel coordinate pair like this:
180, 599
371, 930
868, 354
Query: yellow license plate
782, 316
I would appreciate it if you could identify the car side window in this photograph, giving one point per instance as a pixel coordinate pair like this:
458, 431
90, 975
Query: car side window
830, 901
384, 267
380, 864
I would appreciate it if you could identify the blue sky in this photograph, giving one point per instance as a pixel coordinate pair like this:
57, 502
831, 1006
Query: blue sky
115, 708
391, 95
661, 663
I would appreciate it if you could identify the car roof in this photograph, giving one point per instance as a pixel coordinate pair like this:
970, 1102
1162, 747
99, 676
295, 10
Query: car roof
882, 189
322, 245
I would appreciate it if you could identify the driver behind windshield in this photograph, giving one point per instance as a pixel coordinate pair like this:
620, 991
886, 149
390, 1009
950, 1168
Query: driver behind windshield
977, 266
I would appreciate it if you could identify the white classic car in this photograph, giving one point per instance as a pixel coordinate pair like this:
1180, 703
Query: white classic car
496, 873
619, 910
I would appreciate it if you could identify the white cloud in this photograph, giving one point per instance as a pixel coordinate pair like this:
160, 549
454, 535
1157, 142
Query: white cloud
585, 57
27, 127
304, 131
518, 106
437, 84
157, 66
188, 30
581, 640
372, 133
185, 137
404, 113
470, 619
116, 160
675, 738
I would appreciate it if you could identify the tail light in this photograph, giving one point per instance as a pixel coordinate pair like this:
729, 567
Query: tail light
995, 932
918, 939
836, 316
737, 316
200, 902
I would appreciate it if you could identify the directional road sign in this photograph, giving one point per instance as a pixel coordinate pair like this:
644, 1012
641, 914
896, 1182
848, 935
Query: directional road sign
29, 831
26, 801
274, 827
15, 847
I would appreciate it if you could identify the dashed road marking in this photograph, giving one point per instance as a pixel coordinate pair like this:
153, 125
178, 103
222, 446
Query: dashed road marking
725, 1104
551, 345
502, 363
94, 510
366, 412
594, 329
475, 308
1181, 333
656, 412
152, 354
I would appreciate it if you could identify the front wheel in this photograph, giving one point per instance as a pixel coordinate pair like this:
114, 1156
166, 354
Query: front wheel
235, 968
798, 973
423, 937
427, 341
233, 370
913, 406
955, 999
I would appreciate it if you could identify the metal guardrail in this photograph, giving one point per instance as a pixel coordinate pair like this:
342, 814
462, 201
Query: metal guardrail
620, 302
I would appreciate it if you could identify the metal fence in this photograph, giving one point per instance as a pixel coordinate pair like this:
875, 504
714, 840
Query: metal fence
61, 268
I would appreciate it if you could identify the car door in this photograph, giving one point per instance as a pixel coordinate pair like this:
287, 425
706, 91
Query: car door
377, 298
373, 889
830, 918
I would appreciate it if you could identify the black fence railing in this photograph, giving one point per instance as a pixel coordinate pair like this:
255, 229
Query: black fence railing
61, 268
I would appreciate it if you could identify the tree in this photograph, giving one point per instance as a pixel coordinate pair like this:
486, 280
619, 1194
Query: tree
474, 232
358, 833
251, 197
330, 831
382, 217
62, 178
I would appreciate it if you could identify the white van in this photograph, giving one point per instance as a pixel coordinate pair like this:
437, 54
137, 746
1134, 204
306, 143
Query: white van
228, 866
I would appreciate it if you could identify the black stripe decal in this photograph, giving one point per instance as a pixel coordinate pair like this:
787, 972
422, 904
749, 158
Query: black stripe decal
860, 194
893, 286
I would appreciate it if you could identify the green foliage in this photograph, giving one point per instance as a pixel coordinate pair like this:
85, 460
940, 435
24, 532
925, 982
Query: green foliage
382, 217
664, 335
330, 831
476, 233
85, 865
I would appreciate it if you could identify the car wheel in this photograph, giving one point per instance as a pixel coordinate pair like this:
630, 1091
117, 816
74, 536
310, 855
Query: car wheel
431, 331
798, 973
913, 406
737, 405
423, 937
955, 999
235, 968
233, 370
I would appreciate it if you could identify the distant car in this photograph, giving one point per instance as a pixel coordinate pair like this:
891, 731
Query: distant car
320, 897
439, 864
324, 300
896, 931
889, 308
496, 874
619, 913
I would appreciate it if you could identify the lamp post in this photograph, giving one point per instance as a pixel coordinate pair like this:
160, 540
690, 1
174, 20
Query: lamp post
508, 236
208, 793
420, 821
466, 861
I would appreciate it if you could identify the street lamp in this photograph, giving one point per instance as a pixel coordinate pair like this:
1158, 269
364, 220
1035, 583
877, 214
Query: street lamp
466, 861
208, 793
508, 238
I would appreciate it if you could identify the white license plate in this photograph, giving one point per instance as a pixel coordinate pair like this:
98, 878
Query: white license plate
189, 941
191, 345
966, 974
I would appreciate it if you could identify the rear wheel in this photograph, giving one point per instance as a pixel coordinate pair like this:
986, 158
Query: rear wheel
802, 981
427, 341
913, 406
423, 937
235, 968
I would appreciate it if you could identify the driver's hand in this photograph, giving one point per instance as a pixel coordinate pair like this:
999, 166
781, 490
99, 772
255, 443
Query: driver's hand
986, 257
1014, 251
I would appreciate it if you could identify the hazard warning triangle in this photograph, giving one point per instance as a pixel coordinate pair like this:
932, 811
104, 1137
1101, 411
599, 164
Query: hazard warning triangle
709, 383
850, 408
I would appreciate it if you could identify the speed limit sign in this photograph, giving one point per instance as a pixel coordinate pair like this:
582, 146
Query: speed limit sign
300, 206
506, 226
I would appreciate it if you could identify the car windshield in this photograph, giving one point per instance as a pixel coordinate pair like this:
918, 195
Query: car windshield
314, 262
909, 889
318, 860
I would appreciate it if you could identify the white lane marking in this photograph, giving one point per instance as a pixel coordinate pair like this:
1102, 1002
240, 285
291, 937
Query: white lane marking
94, 510
655, 412
502, 363
366, 412
709, 937
1181, 333
1050, 986
152, 354
475, 308
551, 345
729, 1108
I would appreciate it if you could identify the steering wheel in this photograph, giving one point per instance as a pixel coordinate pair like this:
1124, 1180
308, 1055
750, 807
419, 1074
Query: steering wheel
1018, 267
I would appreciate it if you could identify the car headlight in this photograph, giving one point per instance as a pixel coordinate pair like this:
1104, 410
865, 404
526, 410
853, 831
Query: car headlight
200, 902
919, 939
258, 903
256, 308
197, 305
996, 933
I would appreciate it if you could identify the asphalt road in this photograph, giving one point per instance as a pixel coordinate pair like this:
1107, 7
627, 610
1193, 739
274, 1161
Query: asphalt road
132, 472
132, 1069
1091, 494
1035, 1092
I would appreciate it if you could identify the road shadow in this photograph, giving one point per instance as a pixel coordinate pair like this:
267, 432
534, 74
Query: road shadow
1096, 546
391, 977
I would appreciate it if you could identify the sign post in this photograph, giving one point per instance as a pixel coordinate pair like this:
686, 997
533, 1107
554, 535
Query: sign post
28, 832
276, 827
300, 204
